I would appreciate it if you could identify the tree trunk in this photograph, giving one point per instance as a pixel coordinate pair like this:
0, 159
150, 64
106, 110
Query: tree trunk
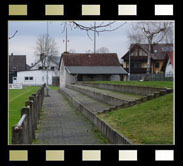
149, 61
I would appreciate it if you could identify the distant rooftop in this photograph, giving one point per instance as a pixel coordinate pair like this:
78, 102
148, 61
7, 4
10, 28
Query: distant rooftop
17, 62
90, 59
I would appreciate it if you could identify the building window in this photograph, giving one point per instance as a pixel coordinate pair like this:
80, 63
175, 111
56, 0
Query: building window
52, 68
15, 78
28, 78
157, 65
40, 67
136, 65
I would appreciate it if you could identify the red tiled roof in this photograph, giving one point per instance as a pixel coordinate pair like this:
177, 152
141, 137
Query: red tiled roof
87, 59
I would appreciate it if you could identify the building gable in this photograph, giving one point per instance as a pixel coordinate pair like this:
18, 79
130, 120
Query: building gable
54, 62
159, 50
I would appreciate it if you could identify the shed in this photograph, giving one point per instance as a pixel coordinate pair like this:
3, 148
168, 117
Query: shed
89, 67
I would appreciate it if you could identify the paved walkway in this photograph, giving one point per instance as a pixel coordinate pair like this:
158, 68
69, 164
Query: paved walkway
62, 124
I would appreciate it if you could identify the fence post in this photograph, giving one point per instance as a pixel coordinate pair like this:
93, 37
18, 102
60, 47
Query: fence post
27, 130
34, 111
28, 105
36, 107
16, 135
39, 103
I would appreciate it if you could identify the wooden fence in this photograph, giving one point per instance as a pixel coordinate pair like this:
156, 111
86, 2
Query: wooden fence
24, 131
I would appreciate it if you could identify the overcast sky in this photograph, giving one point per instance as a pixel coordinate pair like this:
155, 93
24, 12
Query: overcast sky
28, 31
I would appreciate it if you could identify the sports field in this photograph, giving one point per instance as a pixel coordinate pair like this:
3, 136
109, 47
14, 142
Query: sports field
17, 98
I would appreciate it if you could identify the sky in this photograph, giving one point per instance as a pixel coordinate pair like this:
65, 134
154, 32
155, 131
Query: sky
24, 42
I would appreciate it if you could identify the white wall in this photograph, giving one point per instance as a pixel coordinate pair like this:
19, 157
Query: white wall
65, 77
36, 67
39, 77
169, 69
62, 75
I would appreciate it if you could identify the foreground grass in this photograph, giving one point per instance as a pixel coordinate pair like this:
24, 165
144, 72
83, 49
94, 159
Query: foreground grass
146, 123
160, 84
17, 98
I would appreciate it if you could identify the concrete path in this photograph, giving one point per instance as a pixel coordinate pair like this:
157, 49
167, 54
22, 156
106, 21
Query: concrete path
62, 124
115, 94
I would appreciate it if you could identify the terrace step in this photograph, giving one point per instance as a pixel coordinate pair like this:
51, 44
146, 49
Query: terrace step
133, 89
90, 108
93, 105
107, 96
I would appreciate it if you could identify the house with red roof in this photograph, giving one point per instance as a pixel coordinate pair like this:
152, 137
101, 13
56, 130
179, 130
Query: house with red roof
137, 58
89, 67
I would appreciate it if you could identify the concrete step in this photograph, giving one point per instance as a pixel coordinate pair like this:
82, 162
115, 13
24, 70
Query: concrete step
90, 107
107, 96
133, 89
93, 105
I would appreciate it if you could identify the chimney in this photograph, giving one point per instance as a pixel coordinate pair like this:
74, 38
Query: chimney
11, 54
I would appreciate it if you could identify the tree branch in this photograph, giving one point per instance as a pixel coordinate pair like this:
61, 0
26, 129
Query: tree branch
13, 34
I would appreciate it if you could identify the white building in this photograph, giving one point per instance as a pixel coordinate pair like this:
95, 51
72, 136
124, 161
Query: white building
37, 75
89, 67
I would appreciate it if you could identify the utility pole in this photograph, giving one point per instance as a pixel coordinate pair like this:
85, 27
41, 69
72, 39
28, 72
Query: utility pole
66, 38
94, 37
47, 95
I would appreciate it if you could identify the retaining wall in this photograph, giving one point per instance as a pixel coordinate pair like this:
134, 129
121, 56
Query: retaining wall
139, 90
113, 136
24, 131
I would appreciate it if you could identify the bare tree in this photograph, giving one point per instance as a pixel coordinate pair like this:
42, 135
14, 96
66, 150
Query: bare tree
13, 35
103, 26
45, 45
103, 50
151, 33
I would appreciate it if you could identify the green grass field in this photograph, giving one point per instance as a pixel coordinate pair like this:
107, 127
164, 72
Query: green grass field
17, 98
146, 123
160, 84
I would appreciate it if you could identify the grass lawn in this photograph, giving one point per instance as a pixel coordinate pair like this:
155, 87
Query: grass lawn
146, 123
160, 84
17, 98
